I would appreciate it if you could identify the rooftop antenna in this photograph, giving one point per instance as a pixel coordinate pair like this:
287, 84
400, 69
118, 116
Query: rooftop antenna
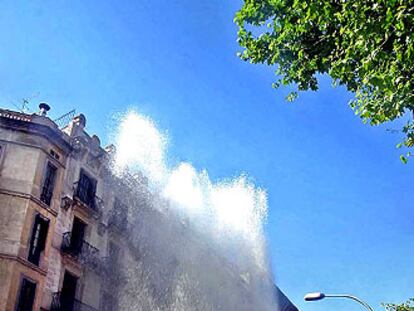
23, 105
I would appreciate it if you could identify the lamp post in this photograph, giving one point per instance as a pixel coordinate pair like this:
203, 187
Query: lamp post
320, 296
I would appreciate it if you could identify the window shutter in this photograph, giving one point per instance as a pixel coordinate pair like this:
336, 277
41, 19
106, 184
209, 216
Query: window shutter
38, 239
43, 234
91, 193
48, 184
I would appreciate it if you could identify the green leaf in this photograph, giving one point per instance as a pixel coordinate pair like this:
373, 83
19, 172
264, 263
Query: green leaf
366, 46
403, 159
291, 96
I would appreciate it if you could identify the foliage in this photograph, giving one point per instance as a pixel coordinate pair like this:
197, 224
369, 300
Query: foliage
406, 306
366, 45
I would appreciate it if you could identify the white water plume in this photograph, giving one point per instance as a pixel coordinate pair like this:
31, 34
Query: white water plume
227, 216
141, 145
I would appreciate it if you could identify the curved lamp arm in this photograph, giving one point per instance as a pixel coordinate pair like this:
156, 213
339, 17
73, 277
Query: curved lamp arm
320, 296
350, 297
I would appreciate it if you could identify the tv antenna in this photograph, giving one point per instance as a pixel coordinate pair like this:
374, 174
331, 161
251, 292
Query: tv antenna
23, 104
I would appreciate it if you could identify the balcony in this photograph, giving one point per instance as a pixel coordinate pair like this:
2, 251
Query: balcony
60, 303
113, 271
87, 200
118, 221
81, 250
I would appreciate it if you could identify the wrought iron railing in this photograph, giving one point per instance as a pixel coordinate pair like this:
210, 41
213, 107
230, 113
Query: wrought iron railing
113, 271
118, 220
81, 250
61, 303
65, 119
95, 203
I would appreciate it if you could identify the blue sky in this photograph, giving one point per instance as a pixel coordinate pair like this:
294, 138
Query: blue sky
341, 213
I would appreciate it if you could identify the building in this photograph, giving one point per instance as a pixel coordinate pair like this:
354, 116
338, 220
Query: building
75, 237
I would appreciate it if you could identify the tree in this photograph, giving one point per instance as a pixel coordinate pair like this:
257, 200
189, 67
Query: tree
406, 306
365, 45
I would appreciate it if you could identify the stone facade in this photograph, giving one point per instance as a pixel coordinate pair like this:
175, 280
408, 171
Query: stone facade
29, 144
102, 242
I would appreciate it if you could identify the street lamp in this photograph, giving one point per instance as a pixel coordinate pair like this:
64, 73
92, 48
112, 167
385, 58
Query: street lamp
320, 296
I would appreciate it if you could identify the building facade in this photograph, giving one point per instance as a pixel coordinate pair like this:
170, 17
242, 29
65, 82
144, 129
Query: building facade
73, 236
52, 237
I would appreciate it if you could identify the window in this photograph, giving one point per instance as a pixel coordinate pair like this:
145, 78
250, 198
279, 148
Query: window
73, 241
78, 234
38, 239
86, 189
119, 214
113, 262
48, 184
114, 252
68, 293
54, 154
27, 295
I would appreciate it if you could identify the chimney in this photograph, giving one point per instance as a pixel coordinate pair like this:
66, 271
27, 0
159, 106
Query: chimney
80, 120
43, 109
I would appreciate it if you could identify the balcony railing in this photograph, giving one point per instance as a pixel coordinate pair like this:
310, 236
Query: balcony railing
94, 203
61, 303
84, 252
113, 271
118, 220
